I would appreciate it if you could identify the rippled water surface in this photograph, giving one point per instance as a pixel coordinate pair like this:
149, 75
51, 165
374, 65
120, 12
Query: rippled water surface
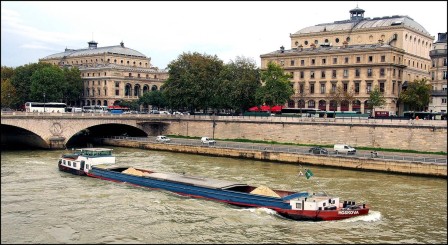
39, 204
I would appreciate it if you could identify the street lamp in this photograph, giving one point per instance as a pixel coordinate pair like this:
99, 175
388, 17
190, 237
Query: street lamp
44, 102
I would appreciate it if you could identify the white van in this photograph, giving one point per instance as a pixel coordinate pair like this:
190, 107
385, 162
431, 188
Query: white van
207, 140
343, 148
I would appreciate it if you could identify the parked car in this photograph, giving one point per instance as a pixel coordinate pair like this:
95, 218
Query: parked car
163, 139
165, 112
207, 140
343, 148
318, 150
154, 112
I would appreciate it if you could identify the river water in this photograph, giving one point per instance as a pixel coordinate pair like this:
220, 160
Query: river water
40, 204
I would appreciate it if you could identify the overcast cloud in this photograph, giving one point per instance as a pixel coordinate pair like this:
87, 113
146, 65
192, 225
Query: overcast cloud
164, 30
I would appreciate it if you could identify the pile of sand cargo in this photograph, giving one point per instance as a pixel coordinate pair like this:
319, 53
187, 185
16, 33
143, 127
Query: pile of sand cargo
265, 191
134, 171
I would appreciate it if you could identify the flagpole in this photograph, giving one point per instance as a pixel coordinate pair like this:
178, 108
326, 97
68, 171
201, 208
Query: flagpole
310, 174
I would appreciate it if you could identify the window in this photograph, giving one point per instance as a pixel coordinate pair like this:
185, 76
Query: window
99, 82
117, 84
346, 60
301, 88
311, 74
369, 88
333, 87
74, 164
322, 88
130, 74
335, 60
393, 72
322, 74
117, 92
444, 75
393, 87
443, 100
333, 74
382, 72
369, 72
383, 58
302, 62
313, 61
292, 62
324, 61
345, 86
382, 87
302, 74
358, 59
356, 88
357, 72
311, 104
370, 58
444, 62
312, 88
345, 73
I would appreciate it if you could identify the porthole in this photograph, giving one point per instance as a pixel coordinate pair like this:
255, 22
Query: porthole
337, 40
296, 43
316, 42
348, 39
306, 42
326, 40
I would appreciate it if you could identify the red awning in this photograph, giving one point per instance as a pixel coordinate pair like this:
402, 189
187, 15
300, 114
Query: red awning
266, 108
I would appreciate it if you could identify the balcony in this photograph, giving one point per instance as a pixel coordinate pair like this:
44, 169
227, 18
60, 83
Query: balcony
437, 52
439, 93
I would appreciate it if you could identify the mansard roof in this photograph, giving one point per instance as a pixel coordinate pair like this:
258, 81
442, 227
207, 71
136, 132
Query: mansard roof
351, 48
365, 23
119, 49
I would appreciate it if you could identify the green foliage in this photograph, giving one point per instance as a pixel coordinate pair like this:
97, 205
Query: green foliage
339, 95
417, 94
240, 80
154, 98
74, 87
131, 104
276, 88
21, 80
9, 95
48, 80
193, 79
376, 98
7, 72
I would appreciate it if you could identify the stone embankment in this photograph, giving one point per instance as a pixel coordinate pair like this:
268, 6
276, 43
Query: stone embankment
360, 163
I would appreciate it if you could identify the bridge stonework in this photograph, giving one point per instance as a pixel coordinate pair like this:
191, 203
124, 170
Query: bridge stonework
422, 135
56, 131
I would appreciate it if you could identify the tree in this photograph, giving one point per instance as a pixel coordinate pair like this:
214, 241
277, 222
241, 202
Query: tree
276, 88
240, 80
131, 104
376, 99
8, 95
154, 98
193, 79
48, 80
339, 95
74, 87
21, 80
417, 94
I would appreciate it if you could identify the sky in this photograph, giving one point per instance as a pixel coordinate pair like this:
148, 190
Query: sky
165, 30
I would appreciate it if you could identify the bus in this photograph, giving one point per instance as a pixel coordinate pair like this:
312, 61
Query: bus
304, 112
94, 109
45, 107
116, 109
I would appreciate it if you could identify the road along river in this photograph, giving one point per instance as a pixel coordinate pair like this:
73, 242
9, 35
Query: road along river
40, 204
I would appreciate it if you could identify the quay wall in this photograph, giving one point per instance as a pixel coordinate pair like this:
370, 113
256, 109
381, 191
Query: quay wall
392, 136
372, 164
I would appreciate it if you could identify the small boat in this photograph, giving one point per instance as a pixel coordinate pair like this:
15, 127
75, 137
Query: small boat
289, 204
82, 160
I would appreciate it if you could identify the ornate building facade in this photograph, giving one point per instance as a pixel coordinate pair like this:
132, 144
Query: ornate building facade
358, 55
438, 75
110, 74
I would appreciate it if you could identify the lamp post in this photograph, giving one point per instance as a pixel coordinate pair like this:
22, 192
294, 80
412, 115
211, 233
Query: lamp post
44, 102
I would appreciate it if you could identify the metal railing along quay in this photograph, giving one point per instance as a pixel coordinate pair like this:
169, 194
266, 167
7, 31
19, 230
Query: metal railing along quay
430, 159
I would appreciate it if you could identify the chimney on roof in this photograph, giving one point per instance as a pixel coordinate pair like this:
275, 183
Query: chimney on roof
122, 44
282, 49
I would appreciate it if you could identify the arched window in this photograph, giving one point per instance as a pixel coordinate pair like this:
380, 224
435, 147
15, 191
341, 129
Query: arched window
98, 102
153, 88
291, 103
322, 105
127, 90
311, 104
344, 105
137, 91
145, 89
301, 104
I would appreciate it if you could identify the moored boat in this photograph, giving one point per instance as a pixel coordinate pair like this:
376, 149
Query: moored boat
82, 160
289, 204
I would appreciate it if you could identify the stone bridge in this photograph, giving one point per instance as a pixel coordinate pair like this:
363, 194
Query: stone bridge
54, 130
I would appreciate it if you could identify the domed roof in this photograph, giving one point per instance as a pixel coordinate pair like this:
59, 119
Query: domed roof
365, 23
119, 49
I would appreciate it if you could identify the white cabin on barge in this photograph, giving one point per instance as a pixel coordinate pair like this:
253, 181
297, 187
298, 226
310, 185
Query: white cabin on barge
82, 160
